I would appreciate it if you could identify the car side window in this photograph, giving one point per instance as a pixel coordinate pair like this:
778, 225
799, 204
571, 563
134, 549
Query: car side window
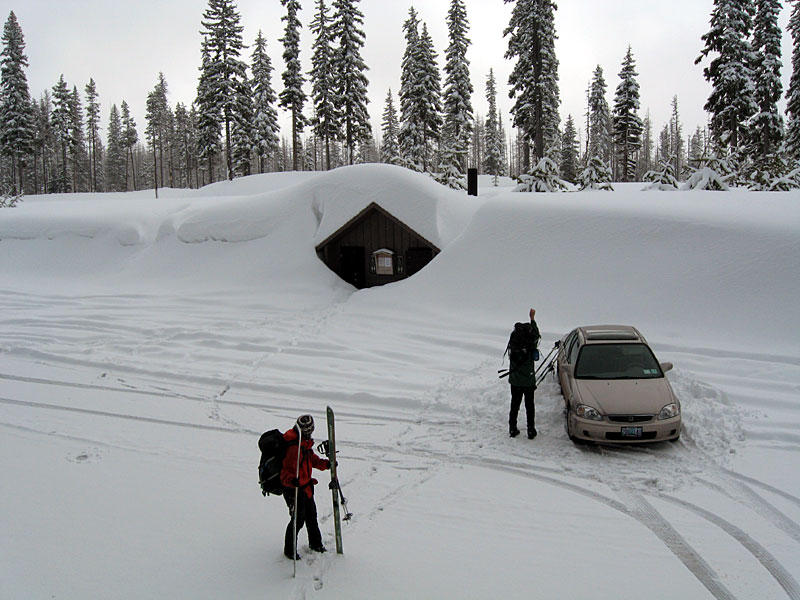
573, 350
569, 345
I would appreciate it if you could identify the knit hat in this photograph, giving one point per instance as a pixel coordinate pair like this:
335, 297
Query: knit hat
305, 424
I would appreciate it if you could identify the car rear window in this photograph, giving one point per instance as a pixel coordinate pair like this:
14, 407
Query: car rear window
617, 361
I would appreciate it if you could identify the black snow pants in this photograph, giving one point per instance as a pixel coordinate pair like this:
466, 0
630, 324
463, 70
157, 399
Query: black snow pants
517, 393
306, 514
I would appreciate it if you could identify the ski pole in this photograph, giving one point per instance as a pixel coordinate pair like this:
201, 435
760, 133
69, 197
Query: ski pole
296, 493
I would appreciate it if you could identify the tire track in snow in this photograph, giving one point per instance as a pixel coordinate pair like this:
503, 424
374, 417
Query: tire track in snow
776, 569
743, 494
765, 486
644, 512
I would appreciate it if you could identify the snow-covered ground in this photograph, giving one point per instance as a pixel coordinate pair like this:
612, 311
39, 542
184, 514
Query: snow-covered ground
145, 344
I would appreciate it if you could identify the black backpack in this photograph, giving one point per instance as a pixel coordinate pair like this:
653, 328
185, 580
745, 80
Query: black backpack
522, 343
273, 450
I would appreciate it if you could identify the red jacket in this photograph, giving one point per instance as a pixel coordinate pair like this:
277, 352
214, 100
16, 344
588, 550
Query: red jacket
308, 460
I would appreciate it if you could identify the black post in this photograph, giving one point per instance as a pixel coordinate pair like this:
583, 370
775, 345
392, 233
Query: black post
472, 182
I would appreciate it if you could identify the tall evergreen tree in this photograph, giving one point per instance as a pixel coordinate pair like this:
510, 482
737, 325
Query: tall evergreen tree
92, 131
534, 79
115, 154
16, 109
732, 100
243, 131
457, 130
390, 148
130, 137
627, 124
77, 142
61, 121
420, 97
209, 119
226, 92
599, 122
157, 128
264, 99
676, 144
493, 161
793, 93
569, 152
293, 98
766, 127
348, 22
324, 82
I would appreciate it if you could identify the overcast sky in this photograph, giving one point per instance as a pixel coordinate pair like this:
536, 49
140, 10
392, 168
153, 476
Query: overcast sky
124, 46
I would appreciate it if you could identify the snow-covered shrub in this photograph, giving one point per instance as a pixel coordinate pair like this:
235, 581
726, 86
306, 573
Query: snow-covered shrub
662, 179
714, 173
596, 176
542, 178
9, 200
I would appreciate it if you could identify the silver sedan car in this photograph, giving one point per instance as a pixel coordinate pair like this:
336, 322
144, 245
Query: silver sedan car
614, 388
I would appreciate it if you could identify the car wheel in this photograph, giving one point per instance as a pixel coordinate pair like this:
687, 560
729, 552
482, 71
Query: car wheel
572, 438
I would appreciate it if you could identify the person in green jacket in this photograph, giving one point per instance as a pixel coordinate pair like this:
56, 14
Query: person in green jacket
522, 373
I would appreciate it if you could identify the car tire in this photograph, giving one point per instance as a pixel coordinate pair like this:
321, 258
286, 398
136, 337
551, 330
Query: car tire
572, 438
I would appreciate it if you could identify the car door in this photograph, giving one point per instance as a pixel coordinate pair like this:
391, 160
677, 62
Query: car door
566, 354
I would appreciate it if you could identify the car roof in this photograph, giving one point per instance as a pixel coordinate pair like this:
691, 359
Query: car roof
593, 334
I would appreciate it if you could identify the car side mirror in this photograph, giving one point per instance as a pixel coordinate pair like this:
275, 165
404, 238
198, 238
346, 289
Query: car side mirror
667, 366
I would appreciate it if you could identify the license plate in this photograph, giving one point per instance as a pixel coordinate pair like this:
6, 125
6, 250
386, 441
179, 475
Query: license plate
631, 432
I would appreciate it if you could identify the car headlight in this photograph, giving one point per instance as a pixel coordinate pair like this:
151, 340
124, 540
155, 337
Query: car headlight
669, 411
587, 412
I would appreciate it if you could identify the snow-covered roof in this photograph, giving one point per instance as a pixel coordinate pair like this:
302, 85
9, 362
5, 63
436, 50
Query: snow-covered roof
413, 198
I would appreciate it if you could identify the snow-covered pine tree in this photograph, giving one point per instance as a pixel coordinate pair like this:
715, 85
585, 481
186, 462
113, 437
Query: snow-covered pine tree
92, 131
420, 98
156, 130
114, 164
457, 130
130, 137
60, 122
542, 178
534, 79
77, 143
569, 152
676, 144
390, 148
793, 93
732, 101
293, 98
350, 68
626, 122
662, 179
713, 173
599, 141
16, 109
266, 128
223, 75
596, 176
493, 144
183, 145
243, 131
765, 130
324, 82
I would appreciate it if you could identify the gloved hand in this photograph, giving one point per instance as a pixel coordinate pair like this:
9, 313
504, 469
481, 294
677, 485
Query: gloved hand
295, 482
314, 481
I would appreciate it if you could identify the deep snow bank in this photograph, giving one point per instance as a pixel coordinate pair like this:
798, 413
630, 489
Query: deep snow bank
685, 267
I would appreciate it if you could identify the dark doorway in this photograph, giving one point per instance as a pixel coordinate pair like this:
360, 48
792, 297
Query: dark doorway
417, 258
352, 261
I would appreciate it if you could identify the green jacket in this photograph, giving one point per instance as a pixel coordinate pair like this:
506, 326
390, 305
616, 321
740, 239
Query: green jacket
524, 375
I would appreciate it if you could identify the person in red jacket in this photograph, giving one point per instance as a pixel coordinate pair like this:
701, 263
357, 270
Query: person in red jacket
301, 485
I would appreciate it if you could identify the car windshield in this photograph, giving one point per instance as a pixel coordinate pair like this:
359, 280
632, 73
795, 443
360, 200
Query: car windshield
617, 361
